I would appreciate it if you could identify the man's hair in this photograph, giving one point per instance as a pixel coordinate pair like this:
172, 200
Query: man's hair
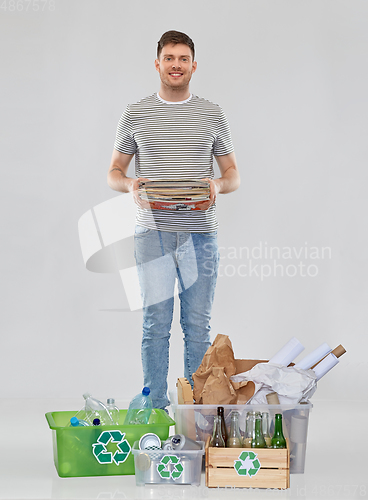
174, 37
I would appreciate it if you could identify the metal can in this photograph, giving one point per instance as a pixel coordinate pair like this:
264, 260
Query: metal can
181, 442
150, 441
167, 445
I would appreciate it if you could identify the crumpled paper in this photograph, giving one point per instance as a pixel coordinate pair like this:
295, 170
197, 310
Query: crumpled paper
211, 380
293, 385
212, 383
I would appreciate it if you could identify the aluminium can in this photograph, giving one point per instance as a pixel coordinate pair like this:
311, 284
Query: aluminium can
150, 441
167, 445
181, 442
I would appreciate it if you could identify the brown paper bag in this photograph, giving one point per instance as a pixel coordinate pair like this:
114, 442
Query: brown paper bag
218, 389
219, 354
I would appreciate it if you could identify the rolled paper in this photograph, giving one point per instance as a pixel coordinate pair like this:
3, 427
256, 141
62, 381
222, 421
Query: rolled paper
299, 429
325, 365
313, 358
272, 398
338, 351
297, 457
287, 353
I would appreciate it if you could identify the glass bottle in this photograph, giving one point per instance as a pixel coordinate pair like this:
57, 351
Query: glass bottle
278, 440
220, 413
250, 428
266, 428
257, 438
217, 439
234, 440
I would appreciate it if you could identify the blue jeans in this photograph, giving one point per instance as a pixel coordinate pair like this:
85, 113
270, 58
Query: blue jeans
163, 257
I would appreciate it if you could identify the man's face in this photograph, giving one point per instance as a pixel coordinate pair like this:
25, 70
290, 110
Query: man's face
176, 66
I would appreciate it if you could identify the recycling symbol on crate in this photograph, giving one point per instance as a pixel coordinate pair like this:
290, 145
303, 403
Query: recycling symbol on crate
247, 463
107, 457
170, 467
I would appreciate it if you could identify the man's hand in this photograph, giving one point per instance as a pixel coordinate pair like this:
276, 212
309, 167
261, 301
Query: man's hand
214, 191
133, 189
228, 182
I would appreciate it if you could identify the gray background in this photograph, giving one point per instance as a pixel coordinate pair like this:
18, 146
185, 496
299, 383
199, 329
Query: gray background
292, 79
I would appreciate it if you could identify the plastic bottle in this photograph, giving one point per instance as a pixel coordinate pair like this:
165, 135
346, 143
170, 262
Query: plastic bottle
95, 409
113, 409
140, 408
78, 422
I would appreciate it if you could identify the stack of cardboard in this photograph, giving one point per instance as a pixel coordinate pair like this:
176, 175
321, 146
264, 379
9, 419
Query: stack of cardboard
174, 194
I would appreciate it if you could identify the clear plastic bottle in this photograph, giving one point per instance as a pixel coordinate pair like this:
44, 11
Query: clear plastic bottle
95, 409
234, 440
113, 409
78, 422
140, 408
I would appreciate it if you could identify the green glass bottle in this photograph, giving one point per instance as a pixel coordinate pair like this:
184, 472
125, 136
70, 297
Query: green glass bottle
278, 440
258, 439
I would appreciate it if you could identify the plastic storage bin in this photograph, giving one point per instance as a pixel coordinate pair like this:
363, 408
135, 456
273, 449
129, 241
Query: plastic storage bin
196, 422
101, 450
167, 466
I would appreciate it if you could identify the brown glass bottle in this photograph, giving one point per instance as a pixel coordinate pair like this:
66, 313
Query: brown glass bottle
220, 413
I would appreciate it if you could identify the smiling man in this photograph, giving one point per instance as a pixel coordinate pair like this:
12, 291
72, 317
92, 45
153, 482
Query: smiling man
174, 135
176, 65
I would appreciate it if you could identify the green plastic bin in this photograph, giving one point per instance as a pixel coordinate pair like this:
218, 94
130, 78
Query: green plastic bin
100, 450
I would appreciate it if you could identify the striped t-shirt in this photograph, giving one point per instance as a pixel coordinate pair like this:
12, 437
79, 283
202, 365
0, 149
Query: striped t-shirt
174, 140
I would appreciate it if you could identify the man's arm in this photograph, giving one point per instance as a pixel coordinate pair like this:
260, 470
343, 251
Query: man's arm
118, 180
230, 178
228, 182
117, 175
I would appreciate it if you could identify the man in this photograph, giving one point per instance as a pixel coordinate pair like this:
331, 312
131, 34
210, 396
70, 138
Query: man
174, 135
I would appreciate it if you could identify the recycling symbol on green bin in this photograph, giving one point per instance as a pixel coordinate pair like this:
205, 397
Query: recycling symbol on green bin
167, 471
107, 457
247, 463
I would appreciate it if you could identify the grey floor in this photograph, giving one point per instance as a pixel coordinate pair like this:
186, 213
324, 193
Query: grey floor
336, 462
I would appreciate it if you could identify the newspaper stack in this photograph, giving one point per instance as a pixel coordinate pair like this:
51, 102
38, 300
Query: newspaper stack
174, 194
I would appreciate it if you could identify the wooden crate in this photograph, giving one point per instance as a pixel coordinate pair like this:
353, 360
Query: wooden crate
222, 464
